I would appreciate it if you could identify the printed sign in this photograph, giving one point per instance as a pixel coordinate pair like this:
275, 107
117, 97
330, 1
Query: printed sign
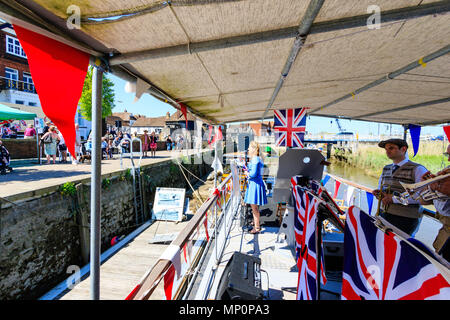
169, 204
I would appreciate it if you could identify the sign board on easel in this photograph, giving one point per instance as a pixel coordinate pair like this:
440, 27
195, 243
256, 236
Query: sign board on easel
39, 125
168, 204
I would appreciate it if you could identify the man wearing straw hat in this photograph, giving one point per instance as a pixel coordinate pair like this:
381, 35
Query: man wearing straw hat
406, 218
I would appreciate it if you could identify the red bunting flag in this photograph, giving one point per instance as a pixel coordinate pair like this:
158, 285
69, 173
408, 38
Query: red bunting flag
337, 184
217, 135
210, 130
447, 132
58, 72
206, 228
168, 282
183, 110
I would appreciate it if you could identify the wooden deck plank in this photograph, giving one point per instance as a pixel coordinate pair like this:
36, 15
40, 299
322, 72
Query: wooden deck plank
122, 272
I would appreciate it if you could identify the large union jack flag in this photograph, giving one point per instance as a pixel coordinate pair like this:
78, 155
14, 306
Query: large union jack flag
305, 212
382, 266
289, 126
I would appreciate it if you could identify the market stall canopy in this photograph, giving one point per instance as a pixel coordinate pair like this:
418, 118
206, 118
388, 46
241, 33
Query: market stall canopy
7, 113
22, 107
237, 60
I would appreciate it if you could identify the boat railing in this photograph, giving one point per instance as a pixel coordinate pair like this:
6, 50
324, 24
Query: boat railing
364, 189
179, 263
131, 153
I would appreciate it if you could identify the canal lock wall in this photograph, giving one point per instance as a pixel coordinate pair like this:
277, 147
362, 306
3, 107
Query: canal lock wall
44, 232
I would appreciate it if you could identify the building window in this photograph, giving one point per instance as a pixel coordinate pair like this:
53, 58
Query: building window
13, 47
20, 102
11, 75
32, 104
28, 85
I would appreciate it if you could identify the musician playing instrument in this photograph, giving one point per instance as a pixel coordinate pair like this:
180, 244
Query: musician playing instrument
405, 217
441, 243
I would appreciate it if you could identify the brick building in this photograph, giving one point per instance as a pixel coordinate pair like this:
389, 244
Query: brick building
16, 84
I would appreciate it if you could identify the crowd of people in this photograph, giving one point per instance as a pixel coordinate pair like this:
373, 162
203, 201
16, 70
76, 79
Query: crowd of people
52, 144
116, 141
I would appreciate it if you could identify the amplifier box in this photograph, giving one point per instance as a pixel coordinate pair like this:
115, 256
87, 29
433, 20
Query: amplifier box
241, 279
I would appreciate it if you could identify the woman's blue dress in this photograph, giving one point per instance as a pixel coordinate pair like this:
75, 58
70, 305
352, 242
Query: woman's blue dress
256, 190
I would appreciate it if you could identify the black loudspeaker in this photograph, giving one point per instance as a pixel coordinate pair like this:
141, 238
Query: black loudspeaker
241, 279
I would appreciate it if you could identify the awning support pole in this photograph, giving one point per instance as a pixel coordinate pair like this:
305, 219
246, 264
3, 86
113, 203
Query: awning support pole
97, 77
439, 53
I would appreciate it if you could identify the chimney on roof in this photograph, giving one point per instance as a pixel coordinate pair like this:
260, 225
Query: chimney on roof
167, 115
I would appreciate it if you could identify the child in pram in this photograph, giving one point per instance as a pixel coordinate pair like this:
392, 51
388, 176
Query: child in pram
4, 159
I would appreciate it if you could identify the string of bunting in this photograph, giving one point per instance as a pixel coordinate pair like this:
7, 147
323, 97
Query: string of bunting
349, 192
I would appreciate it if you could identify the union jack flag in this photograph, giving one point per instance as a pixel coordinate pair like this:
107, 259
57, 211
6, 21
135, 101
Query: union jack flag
305, 216
289, 126
382, 266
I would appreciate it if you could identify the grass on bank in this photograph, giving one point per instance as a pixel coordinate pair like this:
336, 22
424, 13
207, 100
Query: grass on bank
372, 158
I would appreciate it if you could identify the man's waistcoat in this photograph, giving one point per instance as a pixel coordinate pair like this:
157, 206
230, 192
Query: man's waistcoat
391, 183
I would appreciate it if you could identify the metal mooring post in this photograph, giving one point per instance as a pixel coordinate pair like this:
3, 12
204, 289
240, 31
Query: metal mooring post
97, 77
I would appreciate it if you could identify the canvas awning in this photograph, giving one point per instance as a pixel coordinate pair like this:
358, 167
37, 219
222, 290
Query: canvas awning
7, 113
236, 60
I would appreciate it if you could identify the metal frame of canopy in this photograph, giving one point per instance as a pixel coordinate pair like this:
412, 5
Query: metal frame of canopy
31, 15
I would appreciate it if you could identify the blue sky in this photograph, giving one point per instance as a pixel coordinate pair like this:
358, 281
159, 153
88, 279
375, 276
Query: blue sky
152, 107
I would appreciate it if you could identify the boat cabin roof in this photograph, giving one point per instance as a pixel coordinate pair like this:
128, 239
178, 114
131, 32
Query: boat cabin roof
237, 60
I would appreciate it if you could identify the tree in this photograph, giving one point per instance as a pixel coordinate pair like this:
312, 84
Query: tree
86, 97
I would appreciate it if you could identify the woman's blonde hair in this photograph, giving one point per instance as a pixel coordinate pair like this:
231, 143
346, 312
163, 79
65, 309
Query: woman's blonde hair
254, 148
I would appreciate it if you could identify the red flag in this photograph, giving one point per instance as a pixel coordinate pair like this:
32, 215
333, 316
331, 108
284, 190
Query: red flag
206, 228
168, 282
133, 293
447, 132
58, 72
183, 109
336, 188
210, 129
218, 135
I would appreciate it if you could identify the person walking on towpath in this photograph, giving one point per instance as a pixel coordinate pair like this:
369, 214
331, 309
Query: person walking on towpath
406, 218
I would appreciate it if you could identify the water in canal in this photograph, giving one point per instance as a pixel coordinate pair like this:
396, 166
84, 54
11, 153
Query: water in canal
428, 228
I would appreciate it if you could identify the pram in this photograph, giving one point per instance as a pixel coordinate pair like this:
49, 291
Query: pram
4, 160
86, 151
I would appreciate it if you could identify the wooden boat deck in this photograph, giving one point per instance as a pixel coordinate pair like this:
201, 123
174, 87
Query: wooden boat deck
120, 274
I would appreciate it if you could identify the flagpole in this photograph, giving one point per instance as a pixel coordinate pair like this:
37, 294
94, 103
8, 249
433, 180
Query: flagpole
97, 77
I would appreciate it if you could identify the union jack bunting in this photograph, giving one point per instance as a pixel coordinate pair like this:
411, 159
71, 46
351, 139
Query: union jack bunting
289, 126
4, 122
305, 216
380, 266
315, 186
